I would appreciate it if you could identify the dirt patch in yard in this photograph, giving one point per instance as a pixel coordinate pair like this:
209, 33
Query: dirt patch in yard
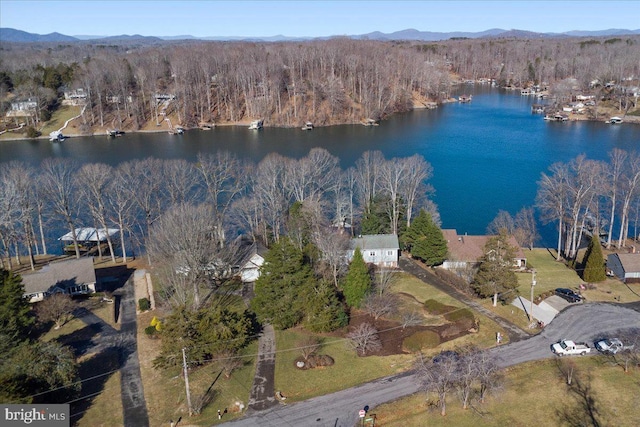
392, 334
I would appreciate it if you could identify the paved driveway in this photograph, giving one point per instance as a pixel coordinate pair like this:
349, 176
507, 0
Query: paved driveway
583, 322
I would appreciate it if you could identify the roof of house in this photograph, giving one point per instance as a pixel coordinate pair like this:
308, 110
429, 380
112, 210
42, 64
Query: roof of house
63, 273
89, 234
471, 248
630, 262
375, 241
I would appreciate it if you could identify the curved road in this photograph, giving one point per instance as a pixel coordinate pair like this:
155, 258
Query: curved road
584, 322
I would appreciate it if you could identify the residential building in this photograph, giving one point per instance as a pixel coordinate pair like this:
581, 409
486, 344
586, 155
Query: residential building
625, 267
73, 277
381, 250
465, 251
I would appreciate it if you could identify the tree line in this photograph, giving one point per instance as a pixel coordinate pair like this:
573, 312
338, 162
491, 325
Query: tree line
236, 196
596, 197
331, 81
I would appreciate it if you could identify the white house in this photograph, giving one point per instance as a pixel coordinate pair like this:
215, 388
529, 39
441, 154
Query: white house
73, 277
250, 270
381, 250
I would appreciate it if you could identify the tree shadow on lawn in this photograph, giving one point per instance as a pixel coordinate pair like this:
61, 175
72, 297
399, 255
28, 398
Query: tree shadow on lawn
95, 372
103, 351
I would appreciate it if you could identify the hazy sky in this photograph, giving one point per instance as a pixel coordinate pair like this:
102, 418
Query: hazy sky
310, 18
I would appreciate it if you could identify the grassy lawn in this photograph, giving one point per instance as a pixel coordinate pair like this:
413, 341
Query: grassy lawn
421, 292
66, 329
349, 370
550, 274
105, 408
59, 117
614, 396
164, 389
510, 313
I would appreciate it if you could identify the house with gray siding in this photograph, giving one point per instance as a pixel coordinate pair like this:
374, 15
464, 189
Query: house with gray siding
381, 250
625, 267
72, 277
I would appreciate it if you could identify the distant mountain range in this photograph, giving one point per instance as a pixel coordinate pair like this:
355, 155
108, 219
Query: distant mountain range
18, 36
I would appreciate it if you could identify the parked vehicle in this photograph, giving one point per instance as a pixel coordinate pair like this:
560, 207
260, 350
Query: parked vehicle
611, 345
568, 295
568, 347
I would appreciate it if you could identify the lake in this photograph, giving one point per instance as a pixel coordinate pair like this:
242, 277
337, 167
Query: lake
487, 155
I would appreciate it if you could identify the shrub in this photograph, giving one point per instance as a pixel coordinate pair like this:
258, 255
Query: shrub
461, 314
144, 304
436, 307
314, 361
32, 132
421, 340
150, 331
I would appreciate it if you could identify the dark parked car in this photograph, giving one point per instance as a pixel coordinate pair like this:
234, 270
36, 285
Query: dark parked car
446, 355
568, 294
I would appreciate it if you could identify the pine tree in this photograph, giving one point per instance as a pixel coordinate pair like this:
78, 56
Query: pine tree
594, 266
357, 282
495, 274
15, 311
279, 291
425, 241
324, 311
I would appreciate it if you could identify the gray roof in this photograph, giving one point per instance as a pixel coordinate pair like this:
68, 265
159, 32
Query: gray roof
375, 241
62, 273
630, 262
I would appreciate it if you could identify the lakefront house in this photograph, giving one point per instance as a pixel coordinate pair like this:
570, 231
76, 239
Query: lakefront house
465, 251
381, 250
72, 277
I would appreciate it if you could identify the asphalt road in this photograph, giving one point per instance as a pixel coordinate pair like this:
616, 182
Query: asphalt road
584, 322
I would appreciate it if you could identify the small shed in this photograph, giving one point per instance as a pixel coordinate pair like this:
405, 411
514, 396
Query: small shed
625, 267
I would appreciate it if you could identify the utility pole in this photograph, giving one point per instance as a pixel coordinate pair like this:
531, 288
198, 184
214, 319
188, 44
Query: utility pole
186, 380
533, 283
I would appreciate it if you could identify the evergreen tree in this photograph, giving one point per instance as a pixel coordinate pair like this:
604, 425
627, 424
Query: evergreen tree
594, 265
15, 311
495, 274
425, 241
279, 291
324, 311
357, 282
376, 220
206, 333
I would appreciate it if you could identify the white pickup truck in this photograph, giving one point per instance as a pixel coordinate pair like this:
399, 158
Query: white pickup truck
567, 347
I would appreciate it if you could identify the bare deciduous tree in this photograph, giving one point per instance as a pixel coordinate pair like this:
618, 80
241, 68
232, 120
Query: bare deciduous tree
438, 375
411, 318
526, 231
184, 242
60, 189
379, 305
308, 346
364, 339
95, 178
333, 247
223, 177
56, 308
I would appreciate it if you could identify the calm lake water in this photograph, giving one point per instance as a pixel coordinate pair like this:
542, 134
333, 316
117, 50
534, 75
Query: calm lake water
487, 155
